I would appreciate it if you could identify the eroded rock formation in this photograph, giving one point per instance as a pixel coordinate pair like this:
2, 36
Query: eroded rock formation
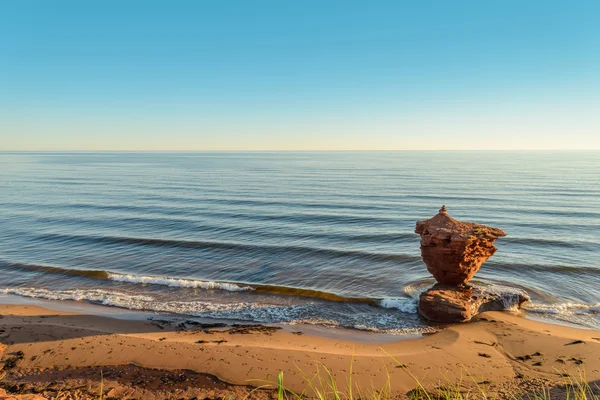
453, 250
445, 303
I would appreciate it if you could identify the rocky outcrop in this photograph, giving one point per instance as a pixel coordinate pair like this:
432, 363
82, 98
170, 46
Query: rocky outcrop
453, 250
446, 303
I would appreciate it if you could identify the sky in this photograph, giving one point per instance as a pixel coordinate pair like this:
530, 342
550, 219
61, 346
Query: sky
299, 75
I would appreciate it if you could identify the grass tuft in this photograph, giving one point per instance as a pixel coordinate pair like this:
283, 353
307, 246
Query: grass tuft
322, 386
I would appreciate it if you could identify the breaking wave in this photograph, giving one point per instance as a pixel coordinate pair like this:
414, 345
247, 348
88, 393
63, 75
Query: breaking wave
129, 297
174, 282
564, 308
404, 305
367, 319
580, 314
195, 283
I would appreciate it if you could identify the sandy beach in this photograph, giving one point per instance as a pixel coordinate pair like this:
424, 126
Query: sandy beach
305, 200
48, 353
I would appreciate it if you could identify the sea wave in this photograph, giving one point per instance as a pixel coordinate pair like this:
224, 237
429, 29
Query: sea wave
367, 319
510, 296
237, 287
509, 266
563, 308
174, 282
579, 314
404, 305
98, 296
214, 229
537, 241
201, 244
128, 296
184, 283
47, 269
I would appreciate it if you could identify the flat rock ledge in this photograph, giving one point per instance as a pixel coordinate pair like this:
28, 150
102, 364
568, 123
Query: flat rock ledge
448, 303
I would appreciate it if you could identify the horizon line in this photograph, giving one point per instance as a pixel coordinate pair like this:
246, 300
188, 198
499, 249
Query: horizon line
276, 150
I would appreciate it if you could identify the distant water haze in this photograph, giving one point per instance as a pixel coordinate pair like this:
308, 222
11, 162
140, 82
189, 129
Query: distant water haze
294, 237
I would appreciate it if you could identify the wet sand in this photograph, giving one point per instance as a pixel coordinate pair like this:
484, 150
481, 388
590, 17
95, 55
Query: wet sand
47, 351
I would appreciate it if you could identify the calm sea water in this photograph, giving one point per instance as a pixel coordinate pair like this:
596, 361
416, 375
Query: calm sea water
321, 238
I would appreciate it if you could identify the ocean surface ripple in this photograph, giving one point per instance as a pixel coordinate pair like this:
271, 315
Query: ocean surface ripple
308, 237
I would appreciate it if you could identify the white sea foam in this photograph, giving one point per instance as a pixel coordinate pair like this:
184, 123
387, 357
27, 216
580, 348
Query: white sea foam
315, 321
575, 313
311, 313
509, 296
399, 331
104, 297
174, 282
129, 301
563, 308
413, 290
404, 305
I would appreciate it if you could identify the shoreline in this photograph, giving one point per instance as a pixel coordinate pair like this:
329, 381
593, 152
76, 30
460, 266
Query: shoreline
499, 350
339, 332
100, 310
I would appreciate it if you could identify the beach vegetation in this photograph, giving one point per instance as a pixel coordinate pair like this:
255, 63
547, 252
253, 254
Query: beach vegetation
101, 385
321, 385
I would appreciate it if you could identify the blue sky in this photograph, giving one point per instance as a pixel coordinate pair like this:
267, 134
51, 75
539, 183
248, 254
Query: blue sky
305, 75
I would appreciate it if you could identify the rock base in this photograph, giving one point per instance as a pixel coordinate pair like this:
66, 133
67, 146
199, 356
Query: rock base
444, 303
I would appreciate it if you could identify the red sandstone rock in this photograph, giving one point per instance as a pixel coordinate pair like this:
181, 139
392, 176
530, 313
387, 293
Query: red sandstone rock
443, 303
453, 250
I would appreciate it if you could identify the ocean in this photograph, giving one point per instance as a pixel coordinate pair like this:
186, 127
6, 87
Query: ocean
324, 238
